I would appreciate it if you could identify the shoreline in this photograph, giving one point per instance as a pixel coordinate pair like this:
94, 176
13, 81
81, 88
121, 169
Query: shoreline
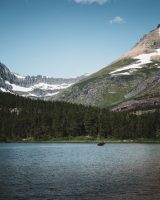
85, 141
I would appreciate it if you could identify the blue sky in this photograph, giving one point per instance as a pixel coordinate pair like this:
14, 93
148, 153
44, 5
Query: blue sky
67, 38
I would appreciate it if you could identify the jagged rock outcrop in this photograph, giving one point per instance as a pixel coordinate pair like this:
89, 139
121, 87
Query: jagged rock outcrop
137, 104
148, 44
143, 86
33, 86
6, 75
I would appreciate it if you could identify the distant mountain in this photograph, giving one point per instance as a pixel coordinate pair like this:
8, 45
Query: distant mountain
134, 76
40, 87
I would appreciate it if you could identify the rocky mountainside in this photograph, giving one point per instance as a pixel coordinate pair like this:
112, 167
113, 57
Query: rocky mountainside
33, 86
134, 76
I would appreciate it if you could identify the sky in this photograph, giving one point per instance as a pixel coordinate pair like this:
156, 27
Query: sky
68, 38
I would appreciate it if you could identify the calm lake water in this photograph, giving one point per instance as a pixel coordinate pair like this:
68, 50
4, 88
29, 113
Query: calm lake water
79, 171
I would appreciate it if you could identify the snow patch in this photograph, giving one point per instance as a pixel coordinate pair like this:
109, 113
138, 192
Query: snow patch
123, 73
142, 60
46, 86
133, 66
4, 90
29, 95
34, 95
51, 94
42, 86
18, 88
19, 76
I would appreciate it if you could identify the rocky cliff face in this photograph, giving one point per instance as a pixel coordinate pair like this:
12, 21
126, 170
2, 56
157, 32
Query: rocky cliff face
33, 86
137, 104
148, 44
5, 75
136, 74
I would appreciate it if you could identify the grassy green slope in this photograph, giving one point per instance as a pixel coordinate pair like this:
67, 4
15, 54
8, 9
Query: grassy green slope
105, 71
104, 90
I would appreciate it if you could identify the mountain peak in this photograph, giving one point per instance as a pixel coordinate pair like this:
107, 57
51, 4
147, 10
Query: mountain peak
135, 75
147, 44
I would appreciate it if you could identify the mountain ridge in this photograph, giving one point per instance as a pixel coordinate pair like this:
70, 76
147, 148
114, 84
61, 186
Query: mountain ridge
115, 83
134, 75
37, 87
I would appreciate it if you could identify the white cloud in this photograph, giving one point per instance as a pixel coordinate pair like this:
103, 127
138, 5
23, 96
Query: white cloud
117, 20
100, 2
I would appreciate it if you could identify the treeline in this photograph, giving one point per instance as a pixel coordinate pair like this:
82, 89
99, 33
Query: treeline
24, 118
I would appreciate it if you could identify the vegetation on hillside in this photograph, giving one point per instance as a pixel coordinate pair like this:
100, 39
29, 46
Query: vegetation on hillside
105, 90
105, 71
22, 118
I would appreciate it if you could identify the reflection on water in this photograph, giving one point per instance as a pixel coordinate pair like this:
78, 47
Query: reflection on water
79, 171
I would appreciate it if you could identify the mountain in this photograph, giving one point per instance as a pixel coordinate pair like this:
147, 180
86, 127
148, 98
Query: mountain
134, 76
41, 87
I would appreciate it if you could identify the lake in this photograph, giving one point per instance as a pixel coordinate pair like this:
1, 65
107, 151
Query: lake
79, 171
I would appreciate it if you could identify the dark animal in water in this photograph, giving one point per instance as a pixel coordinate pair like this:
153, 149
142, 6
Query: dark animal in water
101, 143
